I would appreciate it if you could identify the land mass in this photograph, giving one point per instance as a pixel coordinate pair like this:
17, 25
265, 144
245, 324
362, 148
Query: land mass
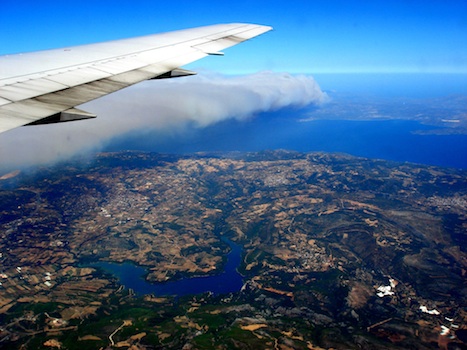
446, 115
338, 252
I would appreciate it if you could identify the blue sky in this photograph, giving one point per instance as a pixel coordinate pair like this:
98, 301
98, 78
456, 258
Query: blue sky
309, 37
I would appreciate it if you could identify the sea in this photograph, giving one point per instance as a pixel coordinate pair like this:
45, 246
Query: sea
396, 139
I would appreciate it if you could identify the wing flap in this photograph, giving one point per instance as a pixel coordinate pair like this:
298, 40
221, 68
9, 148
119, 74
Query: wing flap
133, 77
33, 109
29, 89
83, 93
119, 65
11, 120
79, 76
4, 101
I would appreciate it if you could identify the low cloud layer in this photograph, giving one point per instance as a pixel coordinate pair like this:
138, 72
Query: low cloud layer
163, 105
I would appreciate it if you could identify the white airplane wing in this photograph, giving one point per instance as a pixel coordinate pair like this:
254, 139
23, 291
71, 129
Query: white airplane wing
44, 87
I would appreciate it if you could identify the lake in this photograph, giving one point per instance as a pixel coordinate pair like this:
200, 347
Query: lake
132, 276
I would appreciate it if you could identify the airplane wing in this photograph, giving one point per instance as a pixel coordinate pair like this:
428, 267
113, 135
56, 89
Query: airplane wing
44, 87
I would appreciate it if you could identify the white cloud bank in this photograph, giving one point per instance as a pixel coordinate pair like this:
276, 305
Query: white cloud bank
162, 105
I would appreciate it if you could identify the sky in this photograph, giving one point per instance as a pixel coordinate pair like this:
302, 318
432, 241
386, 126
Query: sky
309, 36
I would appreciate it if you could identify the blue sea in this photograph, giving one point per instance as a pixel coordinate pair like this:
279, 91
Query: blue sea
395, 139
391, 140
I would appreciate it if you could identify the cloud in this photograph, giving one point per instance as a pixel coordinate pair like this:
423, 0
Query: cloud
163, 105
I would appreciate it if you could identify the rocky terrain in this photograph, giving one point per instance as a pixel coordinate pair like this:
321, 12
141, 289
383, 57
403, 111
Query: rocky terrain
338, 252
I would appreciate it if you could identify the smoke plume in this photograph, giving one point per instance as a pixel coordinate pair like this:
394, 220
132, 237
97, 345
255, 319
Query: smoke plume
163, 105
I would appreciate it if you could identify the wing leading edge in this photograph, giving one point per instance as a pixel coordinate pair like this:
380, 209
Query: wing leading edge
45, 86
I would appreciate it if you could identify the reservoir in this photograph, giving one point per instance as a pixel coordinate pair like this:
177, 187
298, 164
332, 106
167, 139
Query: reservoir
132, 276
